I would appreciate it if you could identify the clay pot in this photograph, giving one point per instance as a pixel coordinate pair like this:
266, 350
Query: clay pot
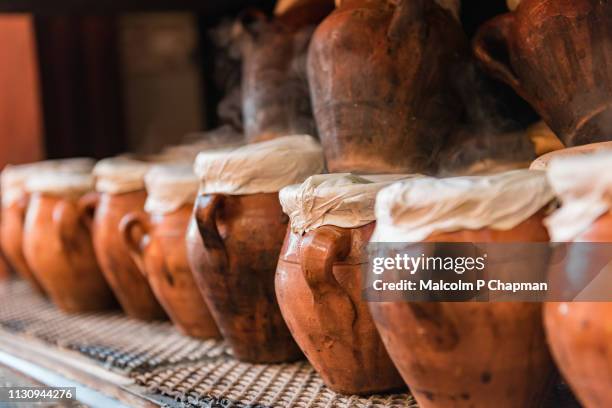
471, 354
242, 237
57, 245
554, 54
157, 246
380, 78
579, 334
11, 239
275, 94
318, 286
128, 283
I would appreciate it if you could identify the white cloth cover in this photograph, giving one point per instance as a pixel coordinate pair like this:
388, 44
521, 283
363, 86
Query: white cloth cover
169, 187
541, 163
583, 184
343, 199
411, 211
118, 175
61, 183
15, 177
264, 167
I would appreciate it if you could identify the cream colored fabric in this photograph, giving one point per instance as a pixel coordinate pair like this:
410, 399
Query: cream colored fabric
264, 167
541, 163
169, 187
583, 184
60, 183
343, 199
118, 175
411, 211
15, 177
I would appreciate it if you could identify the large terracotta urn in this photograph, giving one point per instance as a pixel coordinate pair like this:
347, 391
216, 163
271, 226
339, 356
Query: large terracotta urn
57, 243
242, 227
156, 240
120, 190
578, 329
555, 55
467, 354
319, 282
275, 94
380, 75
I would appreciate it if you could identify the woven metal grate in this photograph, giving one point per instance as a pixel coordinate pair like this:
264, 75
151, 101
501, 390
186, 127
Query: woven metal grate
192, 372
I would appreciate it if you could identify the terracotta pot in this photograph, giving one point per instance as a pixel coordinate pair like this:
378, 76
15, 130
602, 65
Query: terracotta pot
157, 245
554, 54
57, 245
318, 285
579, 335
471, 354
275, 94
242, 237
380, 81
128, 284
11, 238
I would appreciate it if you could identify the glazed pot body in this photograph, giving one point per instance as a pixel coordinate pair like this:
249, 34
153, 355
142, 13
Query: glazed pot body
11, 238
275, 95
242, 237
380, 81
57, 245
318, 286
161, 254
471, 354
580, 338
558, 61
128, 284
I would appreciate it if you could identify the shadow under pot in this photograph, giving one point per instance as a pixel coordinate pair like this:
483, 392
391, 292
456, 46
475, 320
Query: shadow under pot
381, 82
470, 354
318, 284
11, 230
127, 282
242, 236
578, 331
157, 245
555, 55
57, 245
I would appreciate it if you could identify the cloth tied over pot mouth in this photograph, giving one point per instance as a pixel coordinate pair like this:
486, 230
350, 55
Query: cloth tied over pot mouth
342, 199
412, 210
169, 187
542, 162
14, 178
583, 185
61, 183
264, 167
121, 174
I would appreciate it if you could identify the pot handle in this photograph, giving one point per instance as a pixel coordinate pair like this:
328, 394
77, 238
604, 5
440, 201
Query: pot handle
136, 244
87, 206
206, 207
68, 224
405, 14
496, 31
318, 252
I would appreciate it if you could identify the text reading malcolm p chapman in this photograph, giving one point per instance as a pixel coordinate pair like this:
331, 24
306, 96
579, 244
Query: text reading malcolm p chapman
407, 266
